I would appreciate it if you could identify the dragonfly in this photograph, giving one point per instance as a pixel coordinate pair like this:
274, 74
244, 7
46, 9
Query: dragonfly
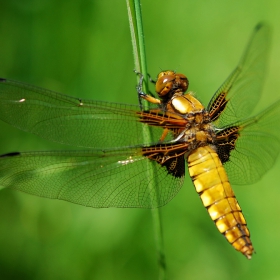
137, 157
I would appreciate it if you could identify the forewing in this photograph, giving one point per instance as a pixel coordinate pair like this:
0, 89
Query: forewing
256, 147
239, 94
73, 121
117, 178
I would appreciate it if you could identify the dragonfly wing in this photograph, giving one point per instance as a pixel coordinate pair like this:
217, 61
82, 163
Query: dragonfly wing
68, 120
240, 93
252, 146
116, 178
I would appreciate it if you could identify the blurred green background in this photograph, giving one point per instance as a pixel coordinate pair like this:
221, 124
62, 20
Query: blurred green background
83, 48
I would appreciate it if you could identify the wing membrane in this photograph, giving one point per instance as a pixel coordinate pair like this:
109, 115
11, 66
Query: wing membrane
240, 93
257, 146
68, 120
117, 178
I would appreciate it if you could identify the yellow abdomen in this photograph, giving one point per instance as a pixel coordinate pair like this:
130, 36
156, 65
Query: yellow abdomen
211, 182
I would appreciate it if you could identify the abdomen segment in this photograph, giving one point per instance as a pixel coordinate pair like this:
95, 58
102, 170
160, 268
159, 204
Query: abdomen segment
211, 182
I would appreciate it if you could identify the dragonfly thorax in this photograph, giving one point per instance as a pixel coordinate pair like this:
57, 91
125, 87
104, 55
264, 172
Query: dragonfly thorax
198, 130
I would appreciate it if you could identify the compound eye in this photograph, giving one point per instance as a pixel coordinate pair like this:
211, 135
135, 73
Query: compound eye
182, 82
165, 82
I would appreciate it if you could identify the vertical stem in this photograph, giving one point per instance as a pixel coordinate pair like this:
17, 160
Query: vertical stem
137, 37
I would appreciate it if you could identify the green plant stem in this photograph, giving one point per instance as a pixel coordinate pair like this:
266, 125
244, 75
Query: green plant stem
137, 37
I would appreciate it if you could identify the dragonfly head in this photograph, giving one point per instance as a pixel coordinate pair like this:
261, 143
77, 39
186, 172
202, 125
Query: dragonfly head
168, 83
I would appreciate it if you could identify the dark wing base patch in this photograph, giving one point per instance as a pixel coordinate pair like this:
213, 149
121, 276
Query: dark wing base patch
225, 142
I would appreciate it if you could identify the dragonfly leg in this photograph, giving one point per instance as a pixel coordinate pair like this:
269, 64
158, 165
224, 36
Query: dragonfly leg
164, 134
151, 80
149, 97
